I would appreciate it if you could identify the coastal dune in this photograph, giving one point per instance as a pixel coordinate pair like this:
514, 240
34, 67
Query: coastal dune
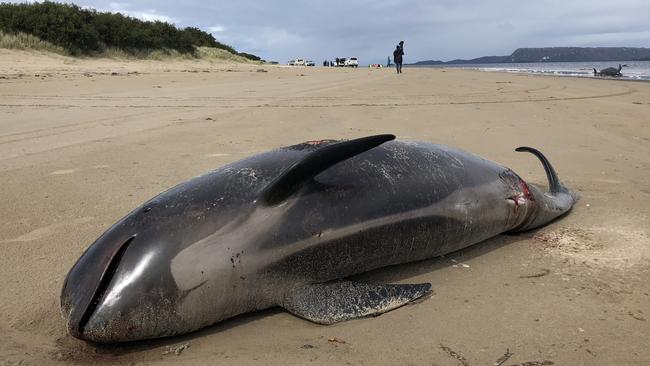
84, 141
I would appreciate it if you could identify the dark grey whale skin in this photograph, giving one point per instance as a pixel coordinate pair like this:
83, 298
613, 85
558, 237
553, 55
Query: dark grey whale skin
209, 249
610, 71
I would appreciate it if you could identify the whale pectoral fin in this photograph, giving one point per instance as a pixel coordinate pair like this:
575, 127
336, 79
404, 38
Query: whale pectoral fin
330, 303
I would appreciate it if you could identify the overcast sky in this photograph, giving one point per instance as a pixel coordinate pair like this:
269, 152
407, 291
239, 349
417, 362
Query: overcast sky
442, 30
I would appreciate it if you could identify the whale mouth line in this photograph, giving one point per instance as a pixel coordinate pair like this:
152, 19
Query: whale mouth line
104, 282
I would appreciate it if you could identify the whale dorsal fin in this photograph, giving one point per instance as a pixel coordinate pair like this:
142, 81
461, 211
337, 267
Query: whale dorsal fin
329, 303
315, 163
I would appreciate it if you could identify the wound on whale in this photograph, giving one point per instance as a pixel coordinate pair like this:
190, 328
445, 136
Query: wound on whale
288, 228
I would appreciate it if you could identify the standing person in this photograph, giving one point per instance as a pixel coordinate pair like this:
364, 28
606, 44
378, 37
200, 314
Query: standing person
401, 47
398, 56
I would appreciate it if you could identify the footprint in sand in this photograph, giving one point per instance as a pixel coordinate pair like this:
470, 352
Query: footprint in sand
45, 231
609, 181
63, 171
611, 245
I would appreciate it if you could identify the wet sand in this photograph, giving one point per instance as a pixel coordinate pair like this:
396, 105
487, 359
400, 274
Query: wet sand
82, 142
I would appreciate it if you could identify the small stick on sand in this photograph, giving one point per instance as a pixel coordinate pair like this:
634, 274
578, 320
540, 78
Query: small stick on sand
543, 273
503, 358
455, 355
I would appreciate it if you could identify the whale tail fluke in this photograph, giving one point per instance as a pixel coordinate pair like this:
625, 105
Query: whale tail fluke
329, 303
554, 184
552, 204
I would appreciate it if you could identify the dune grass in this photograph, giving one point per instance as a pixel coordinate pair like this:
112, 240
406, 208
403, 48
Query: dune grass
163, 54
23, 41
211, 53
202, 53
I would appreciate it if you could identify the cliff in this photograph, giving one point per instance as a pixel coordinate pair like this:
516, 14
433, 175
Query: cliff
555, 54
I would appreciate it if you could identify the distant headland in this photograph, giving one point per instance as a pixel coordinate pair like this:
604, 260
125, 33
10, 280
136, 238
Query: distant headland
554, 54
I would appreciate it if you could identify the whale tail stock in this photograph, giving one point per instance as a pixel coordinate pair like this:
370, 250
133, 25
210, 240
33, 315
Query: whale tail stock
551, 204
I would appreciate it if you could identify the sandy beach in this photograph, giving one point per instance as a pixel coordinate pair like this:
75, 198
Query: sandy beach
84, 141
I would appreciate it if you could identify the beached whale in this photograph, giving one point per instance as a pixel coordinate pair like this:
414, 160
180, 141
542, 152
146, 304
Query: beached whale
610, 71
286, 227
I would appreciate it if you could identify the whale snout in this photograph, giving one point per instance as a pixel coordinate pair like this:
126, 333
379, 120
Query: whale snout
121, 289
87, 282
111, 323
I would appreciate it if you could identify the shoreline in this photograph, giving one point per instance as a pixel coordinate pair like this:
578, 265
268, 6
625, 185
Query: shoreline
568, 76
486, 68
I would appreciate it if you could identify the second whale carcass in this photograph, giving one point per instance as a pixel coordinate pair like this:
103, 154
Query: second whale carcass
287, 227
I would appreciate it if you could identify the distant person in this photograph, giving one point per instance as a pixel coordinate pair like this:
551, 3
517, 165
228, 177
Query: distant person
398, 56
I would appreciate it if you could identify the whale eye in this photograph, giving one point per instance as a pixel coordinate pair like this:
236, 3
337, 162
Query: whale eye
147, 209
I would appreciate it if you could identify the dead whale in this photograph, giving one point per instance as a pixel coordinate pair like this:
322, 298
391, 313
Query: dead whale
610, 71
286, 227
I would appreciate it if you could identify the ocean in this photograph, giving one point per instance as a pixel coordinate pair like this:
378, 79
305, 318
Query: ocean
635, 70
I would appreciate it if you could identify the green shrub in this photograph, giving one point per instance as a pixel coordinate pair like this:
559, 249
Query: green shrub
249, 56
87, 32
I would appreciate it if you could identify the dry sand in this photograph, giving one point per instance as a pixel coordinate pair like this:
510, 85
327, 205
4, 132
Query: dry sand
82, 142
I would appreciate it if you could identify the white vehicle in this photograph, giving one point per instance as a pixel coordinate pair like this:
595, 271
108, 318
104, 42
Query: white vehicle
310, 63
297, 62
347, 62
351, 62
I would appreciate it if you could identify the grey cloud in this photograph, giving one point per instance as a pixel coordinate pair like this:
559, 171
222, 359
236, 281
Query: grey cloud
445, 29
